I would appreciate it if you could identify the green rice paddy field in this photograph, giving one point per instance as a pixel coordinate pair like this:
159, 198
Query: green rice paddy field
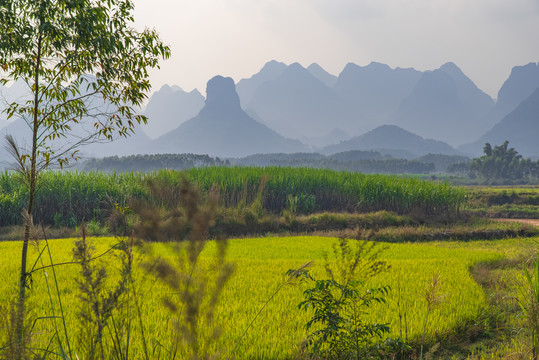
261, 265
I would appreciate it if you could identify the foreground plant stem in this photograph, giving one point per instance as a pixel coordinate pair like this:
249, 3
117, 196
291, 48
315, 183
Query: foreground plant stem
21, 303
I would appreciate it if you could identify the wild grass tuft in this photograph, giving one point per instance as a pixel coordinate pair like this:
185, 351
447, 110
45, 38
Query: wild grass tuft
433, 299
194, 290
99, 302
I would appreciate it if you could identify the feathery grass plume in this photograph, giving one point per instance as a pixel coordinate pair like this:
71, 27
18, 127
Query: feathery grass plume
12, 347
117, 218
355, 259
529, 302
433, 298
98, 302
289, 214
195, 288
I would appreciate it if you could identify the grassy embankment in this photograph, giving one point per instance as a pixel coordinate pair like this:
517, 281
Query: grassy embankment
519, 202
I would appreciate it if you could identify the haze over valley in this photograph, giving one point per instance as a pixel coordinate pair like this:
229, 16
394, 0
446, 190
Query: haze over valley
288, 108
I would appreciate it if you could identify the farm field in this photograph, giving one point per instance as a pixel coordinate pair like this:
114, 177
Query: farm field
427, 230
519, 202
67, 198
260, 265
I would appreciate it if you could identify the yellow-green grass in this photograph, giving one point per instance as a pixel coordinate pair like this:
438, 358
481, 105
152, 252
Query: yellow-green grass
260, 267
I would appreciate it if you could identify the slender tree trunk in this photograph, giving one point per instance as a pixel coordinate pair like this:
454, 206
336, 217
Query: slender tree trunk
21, 303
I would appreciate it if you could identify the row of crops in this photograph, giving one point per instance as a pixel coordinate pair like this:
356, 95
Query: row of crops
66, 198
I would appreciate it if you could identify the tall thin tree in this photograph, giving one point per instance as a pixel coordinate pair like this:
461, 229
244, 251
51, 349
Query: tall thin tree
83, 62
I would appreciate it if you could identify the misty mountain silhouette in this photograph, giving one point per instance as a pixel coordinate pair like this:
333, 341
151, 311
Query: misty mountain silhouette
394, 138
445, 105
319, 108
223, 129
297, 104
520, 127
318, 72
333, 137
246, 88
373, 93
169, 107
520, 84
137, 143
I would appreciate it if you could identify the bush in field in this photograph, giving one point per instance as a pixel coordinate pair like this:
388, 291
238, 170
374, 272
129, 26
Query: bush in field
338, 326
338, 310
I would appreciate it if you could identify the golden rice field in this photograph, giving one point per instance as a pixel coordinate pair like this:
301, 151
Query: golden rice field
260, 267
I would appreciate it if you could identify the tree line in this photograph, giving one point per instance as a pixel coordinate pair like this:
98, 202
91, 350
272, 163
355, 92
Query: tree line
151, 162
499, 164
367, 165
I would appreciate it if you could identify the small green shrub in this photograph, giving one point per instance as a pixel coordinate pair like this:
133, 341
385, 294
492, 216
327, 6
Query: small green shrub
342, 333
338, 326
94, 228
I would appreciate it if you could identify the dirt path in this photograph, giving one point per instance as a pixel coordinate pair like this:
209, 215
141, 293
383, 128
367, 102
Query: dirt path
534, 222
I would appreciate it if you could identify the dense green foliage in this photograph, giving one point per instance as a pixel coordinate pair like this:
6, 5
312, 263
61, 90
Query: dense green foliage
331, 190
66, 198
501, 163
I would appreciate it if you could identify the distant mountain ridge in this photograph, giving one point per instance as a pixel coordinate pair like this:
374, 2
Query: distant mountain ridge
246, 88
297, 104
520, 127
445, 105
280, 103
395, 138
318, 72
169, 107
520, 84
310, 102
442, 104
223, 129
373, 93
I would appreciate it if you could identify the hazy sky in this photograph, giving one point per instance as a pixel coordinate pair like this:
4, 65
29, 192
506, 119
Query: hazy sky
485, 38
